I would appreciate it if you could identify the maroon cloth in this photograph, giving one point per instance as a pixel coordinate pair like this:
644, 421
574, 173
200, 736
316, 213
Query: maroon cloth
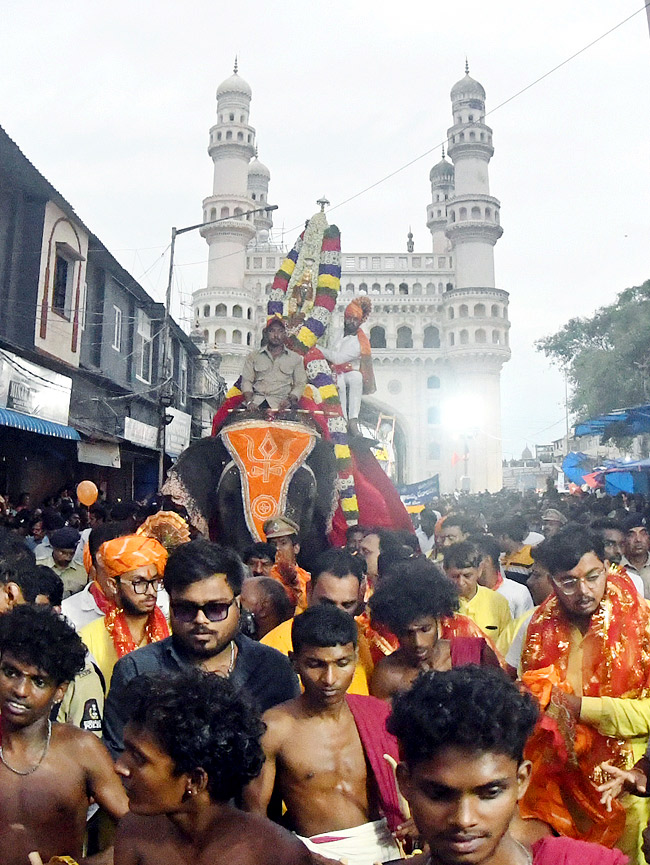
370, 716
379, 501
466, 650
568, 851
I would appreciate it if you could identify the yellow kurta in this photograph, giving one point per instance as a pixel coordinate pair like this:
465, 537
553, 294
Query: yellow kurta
100, 645
489, 610
280, 638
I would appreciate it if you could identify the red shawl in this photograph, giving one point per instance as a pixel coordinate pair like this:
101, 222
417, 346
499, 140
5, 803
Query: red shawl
370, 717
566, 755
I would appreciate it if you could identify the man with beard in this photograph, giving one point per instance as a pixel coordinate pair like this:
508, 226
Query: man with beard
204, 583
134, 566
586, 656
613, 537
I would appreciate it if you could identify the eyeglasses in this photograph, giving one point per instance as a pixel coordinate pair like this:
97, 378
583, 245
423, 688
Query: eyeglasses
569, 585
214, 611
140, 586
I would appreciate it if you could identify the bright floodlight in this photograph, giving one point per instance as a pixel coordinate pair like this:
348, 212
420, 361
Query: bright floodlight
463, 414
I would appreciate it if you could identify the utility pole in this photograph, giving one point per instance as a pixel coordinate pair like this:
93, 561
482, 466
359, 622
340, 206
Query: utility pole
165, 396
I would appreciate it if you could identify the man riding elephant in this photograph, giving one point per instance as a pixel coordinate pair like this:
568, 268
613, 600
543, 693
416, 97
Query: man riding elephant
273, 377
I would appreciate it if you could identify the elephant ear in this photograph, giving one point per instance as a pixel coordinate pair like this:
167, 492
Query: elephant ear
192, 481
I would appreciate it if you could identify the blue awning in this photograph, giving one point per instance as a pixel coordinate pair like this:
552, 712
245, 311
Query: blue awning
627, 421
29, 423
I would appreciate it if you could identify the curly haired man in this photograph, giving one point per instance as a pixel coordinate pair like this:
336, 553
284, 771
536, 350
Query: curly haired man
190, 745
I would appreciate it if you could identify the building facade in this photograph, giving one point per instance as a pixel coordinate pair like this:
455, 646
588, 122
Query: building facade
439, 326
82, 390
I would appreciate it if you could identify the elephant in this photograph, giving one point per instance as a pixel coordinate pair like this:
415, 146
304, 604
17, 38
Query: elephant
206, 480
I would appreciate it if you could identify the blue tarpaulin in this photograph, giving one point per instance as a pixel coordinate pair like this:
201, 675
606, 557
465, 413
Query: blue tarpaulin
628, 421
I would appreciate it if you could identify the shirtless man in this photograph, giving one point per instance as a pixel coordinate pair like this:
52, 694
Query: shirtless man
191, 743
413, 605
48, 771
315, 754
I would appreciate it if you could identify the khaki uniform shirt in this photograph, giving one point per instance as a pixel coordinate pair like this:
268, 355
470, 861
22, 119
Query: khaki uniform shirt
273, 379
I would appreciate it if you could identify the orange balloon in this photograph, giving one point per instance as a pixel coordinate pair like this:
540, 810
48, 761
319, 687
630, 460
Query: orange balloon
87, 493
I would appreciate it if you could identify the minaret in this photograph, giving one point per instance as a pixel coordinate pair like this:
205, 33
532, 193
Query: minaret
442, 189
258, 190
476, 312
223, 309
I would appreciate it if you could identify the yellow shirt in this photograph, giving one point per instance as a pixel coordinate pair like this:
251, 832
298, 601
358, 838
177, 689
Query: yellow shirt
101, 646
489, 610
280, 638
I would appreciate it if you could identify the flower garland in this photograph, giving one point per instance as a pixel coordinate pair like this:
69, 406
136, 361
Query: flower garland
319, 374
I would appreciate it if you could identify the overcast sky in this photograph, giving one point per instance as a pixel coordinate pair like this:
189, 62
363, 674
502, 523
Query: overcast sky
112, 102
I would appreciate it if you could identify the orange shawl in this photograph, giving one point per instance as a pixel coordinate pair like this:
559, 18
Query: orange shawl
566, 754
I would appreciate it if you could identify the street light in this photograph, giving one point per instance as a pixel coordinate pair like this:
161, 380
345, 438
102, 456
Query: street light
165, 399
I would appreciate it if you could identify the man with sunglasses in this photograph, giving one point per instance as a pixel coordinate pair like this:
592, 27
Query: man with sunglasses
204, 583
134, 565
586, 656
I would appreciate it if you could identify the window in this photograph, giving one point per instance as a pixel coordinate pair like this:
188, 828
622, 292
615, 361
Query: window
220, 309
452, 339
363, 263
219, 336
433, 382
117, 328
249, 313
494, 311
389, 263
143, 347
479, 310
480, 336
462, 213
237, 311
417, 288
431, 337
249, 338
431, 289
463, 311
476, 212
377, 337
416, 261
434, 451
206, 310
182, 379
257, 262
349, 262
232, 117
270, 263
363, 287
390, 288
403, 288
442, 261
206, 335
496, 338
433, 415
404, 337
376, 262
236, 337
451, 312
225, 212
350, 287
62, 289
376, 288
464, 337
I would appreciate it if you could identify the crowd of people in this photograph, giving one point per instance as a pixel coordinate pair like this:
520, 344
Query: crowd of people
476, 691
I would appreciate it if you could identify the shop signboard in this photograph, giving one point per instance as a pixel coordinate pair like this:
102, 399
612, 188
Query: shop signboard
31, 389
140, 433
177, 433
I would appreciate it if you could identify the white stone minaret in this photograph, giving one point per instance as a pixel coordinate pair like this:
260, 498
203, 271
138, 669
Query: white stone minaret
476, 312
258, 190
224, 310
442, 189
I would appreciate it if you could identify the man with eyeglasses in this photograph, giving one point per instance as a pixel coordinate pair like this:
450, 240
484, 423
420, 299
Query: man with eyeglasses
204, 583
586, 656
134, 565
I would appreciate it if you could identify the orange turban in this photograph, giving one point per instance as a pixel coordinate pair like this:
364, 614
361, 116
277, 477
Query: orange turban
130, 552
359, 308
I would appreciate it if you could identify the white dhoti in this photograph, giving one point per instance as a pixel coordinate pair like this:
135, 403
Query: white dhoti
361, 845
350, 385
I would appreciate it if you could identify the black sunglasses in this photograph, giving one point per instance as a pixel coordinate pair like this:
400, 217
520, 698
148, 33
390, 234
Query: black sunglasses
214, 611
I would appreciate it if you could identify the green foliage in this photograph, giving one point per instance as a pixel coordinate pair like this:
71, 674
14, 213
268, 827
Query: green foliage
606, 357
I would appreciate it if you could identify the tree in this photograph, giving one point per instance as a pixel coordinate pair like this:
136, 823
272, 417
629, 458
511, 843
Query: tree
606, 357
